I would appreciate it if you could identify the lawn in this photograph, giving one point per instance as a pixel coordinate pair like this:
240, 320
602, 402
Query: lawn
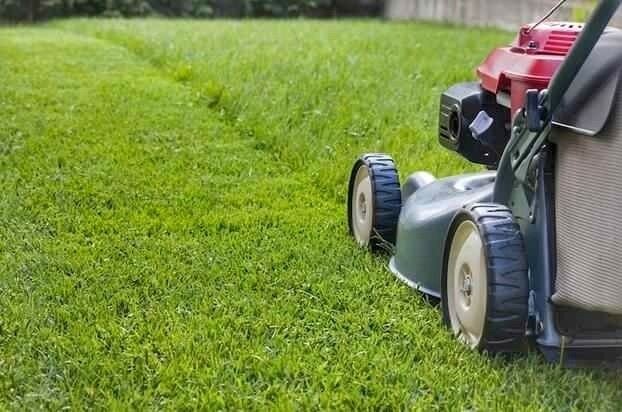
172, 221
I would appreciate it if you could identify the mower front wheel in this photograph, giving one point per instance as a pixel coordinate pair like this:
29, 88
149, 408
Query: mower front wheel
374, 201
485, 285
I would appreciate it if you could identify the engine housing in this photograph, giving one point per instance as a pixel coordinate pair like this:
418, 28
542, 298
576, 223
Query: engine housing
504, 77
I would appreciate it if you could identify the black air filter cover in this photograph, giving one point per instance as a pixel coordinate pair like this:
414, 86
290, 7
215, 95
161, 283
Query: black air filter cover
459, 107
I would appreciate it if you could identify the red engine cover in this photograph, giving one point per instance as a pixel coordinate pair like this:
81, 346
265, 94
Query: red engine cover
529, 62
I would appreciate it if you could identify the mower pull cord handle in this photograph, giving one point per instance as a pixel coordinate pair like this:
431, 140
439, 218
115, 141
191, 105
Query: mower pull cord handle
596, 25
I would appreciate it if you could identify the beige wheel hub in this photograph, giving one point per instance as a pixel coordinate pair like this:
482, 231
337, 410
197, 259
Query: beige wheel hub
362, 207
467, 284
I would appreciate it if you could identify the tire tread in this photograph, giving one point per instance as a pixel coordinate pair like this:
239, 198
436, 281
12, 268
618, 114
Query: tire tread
387, 199
508, 283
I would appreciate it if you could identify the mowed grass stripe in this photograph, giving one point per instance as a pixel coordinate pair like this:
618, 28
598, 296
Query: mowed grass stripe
173, 230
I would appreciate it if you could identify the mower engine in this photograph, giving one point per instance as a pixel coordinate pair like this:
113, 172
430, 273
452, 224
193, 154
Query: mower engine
475, 117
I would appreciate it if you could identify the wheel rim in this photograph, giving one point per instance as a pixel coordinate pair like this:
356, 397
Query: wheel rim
362, 207
467, 284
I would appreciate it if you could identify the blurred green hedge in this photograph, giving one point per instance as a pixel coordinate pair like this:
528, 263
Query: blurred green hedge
32, 10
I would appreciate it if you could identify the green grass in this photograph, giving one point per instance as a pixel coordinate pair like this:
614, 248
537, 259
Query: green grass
173, 229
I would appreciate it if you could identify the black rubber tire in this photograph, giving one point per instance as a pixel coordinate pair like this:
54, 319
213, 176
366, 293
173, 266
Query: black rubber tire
507, 277
386, 198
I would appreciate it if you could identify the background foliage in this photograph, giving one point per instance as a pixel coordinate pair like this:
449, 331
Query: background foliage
31, 10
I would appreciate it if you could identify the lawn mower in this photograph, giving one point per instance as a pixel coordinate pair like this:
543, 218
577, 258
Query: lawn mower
528, 252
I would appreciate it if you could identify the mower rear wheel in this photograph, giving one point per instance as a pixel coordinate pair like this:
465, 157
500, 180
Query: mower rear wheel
485, 282
374, 201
